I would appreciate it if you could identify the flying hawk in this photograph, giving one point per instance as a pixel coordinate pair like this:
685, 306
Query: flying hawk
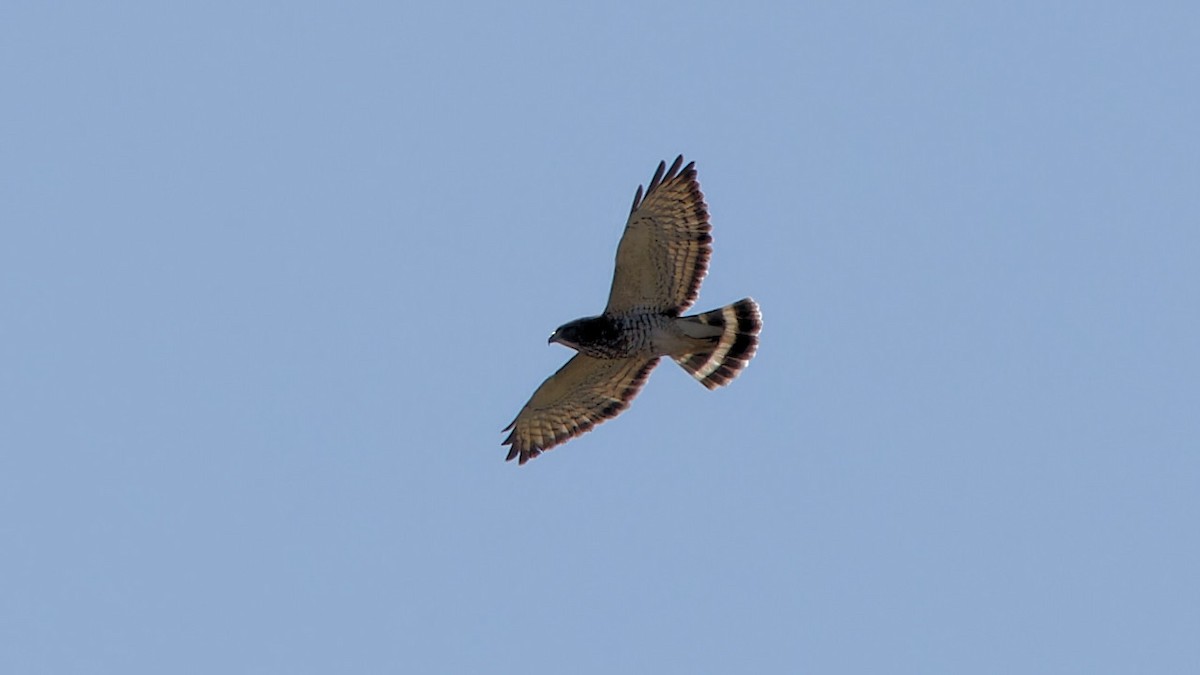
661, 260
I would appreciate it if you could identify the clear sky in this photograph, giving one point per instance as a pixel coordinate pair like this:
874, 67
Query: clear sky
274, 276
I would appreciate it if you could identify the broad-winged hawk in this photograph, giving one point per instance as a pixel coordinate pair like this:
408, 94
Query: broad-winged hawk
661, 260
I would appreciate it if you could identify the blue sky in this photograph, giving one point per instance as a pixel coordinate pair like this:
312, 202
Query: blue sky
274, 276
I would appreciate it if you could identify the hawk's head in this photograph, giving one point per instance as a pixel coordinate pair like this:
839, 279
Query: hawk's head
592, 334
569, 334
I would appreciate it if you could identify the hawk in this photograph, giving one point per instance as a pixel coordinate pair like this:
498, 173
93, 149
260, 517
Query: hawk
661, 260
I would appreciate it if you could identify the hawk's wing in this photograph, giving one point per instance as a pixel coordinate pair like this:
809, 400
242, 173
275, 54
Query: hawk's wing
664, 252
583, 393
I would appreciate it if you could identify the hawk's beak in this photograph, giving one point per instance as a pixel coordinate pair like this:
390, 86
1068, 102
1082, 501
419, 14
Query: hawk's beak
553, 338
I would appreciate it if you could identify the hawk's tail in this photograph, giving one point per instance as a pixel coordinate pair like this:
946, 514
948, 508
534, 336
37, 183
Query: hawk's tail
730, 335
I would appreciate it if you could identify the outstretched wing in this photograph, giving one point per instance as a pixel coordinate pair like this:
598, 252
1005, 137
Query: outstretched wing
583, 393
664, 252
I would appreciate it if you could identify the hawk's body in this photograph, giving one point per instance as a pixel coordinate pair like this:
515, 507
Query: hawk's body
662, 258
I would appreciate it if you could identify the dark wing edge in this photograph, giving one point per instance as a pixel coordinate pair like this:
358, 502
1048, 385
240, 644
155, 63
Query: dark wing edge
660, 177
572, 419
699, 266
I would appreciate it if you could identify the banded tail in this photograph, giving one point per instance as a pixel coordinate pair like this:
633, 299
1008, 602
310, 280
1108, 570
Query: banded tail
730, 337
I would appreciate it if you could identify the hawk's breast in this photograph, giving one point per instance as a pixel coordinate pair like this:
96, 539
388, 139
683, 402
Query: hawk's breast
623, 336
